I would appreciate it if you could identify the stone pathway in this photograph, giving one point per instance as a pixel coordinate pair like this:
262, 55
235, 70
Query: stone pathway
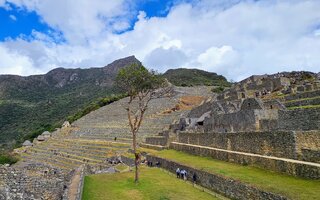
73, 192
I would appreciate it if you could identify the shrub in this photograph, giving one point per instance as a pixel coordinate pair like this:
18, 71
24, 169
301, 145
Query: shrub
218, 90
8, 159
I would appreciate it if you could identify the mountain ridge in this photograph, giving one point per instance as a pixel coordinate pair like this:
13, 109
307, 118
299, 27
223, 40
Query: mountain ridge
36, 103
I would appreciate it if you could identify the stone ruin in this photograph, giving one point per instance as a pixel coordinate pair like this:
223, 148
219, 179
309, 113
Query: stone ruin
34, 181
266, 124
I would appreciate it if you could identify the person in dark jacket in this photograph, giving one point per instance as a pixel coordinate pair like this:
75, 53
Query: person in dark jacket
194, 178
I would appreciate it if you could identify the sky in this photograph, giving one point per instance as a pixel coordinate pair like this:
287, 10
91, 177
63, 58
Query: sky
235, 38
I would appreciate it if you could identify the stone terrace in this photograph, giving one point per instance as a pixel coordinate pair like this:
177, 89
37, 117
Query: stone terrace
111, 121
91, 139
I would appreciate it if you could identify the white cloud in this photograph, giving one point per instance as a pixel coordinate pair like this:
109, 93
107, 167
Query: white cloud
14, 18
222, 59
164, 59
232, 38
14, 63
79, 20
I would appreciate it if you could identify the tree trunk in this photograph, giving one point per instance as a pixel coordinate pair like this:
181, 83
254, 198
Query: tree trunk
136, 161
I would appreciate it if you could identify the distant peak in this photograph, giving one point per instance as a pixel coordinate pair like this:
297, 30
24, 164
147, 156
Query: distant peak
121, 63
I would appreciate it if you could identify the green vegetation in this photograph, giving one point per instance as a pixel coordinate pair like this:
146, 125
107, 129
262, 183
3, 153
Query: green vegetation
218, 90
34, 103
195, 77
303, 107
154, 184
8, 159
292, 187
122, 167
140, 85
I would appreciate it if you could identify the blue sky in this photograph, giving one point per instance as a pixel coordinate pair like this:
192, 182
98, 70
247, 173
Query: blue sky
18, 21
235, 38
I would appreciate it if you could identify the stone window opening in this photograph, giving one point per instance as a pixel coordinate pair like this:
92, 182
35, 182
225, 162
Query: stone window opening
271, 107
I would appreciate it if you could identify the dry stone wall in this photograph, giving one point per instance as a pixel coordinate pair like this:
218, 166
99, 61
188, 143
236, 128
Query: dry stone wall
291, 167
231, 188
303, 95
302, 145
34, 181
299, 119
304, 102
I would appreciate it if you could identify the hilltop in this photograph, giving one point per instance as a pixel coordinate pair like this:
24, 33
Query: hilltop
195, 77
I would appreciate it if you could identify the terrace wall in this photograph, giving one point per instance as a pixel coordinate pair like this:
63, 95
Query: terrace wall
279, 144
231, 188
291, 167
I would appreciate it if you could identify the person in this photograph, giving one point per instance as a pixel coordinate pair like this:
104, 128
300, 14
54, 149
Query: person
178, 172
182, 174
194, 178
185, 175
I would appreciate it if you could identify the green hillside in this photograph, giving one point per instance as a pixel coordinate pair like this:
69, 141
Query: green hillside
31, 105
195, 77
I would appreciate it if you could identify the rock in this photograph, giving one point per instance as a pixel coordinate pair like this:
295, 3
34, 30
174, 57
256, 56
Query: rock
27, 143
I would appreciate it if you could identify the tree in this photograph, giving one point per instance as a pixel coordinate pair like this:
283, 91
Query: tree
141, 87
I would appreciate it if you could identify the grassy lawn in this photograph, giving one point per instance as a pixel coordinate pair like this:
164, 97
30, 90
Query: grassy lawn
292, 187
154, 184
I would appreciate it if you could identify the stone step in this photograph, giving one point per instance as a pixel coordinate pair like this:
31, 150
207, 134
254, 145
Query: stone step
151, 146
72, 157
303, 95
303, 102
88, 154
48, 160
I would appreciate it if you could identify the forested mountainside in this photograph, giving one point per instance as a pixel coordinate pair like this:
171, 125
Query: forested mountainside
32, 104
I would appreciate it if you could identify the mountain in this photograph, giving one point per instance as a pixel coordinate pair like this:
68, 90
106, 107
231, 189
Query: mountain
194, 77
42, 102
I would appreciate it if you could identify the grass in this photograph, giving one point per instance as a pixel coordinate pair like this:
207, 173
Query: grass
292, 187
303, 99
8, 159
303, 107
122, 167
154, 184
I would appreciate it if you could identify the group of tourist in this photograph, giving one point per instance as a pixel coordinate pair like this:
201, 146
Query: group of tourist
181, 173
150, 164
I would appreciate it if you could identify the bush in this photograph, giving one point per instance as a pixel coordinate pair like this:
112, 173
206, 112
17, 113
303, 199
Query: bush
218, 90
8, 159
